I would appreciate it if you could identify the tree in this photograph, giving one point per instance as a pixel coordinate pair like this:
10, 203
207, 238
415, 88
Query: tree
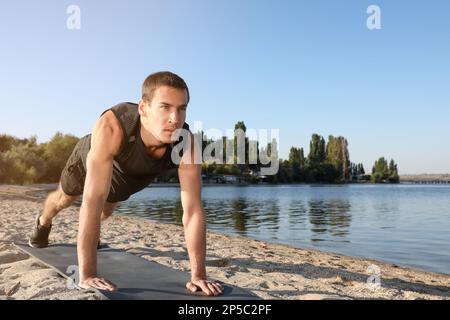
360, 169
356, 169
55, 153
338, 156
382, 172
317, 153
296, 163
284, 174
393, 172
24, 163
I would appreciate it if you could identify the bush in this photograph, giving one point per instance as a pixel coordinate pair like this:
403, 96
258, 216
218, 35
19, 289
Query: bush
24, 161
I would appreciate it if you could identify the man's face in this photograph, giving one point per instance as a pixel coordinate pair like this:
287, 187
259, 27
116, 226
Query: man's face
165, 113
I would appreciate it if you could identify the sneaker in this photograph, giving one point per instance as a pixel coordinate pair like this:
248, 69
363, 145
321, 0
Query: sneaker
39, 236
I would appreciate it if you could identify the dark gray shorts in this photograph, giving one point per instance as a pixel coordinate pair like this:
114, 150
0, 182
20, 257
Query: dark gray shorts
74, 173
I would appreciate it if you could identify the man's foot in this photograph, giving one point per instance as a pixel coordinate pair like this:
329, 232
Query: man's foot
39, 236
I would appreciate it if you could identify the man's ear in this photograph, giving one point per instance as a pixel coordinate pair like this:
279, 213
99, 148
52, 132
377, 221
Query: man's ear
142, 108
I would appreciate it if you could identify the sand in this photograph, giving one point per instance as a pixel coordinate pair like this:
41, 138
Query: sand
271, 271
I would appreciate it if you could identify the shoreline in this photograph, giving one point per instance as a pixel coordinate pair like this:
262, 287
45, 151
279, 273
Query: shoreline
48, 186
270, 270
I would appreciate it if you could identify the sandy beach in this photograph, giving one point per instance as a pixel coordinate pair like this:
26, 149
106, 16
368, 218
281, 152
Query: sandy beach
271, 271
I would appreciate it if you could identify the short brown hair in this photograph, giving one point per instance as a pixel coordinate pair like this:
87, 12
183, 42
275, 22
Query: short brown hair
162, 78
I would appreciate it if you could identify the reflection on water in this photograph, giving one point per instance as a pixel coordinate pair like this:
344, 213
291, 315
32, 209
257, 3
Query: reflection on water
243, 215
158, 209
238, 214
403, 224
332, 216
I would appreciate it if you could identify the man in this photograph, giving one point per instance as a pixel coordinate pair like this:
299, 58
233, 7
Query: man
129, 146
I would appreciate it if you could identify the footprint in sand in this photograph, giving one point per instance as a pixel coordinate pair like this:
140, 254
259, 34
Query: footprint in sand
218, 262
269, 285
8, 257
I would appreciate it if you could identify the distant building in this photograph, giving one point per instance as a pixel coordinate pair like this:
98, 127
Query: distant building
231, 179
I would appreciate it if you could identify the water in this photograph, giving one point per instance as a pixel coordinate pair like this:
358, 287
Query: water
403, 224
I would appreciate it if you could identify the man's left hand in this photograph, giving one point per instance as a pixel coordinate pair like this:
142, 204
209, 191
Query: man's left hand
210, 288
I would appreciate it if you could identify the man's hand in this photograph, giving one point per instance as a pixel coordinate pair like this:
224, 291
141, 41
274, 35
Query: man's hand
98, 283
208, 287
194, 221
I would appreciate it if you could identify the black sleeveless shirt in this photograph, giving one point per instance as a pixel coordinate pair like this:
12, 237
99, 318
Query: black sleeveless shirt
133, 167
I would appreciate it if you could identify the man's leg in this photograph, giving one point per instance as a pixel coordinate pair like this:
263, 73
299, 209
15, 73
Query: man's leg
108, 209
55, 202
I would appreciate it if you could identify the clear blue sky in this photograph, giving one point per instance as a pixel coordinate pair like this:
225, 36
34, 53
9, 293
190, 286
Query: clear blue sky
300, 66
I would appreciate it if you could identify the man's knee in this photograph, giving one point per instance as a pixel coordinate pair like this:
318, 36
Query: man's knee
64, 200
108, 208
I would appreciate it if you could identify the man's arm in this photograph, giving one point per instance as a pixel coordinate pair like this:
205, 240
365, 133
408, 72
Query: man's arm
194, 224
105, 144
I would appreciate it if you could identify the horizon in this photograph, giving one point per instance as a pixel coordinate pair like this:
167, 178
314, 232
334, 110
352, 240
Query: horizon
300, 67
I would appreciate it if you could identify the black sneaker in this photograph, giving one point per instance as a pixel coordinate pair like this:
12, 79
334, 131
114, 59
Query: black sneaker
39, 236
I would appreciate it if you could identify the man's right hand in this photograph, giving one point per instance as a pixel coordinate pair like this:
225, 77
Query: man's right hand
97, 283
106, 140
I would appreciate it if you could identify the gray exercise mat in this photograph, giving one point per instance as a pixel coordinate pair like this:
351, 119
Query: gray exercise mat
135, 277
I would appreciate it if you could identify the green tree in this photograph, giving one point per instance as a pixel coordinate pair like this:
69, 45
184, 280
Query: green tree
55, 153
24, 163
393, 172
382, 172
317, 154
296, 164
338, 156
360, 169
284, 174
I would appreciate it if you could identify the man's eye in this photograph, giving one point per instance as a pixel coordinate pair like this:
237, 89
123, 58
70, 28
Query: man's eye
165, 107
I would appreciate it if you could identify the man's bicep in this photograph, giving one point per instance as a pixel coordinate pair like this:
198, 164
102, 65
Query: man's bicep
98, 178
99, 162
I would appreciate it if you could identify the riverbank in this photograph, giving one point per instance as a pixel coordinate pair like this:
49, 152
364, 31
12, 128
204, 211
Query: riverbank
272, 271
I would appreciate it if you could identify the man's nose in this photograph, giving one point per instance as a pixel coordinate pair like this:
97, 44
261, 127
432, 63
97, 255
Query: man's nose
174, 118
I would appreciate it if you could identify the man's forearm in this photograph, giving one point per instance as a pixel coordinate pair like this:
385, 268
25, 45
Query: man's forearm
88, 235
195, 233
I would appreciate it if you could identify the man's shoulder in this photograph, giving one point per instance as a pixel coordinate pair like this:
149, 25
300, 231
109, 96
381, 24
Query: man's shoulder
109, 124
123, 116
122, 108
109, 119
125, 105
107, 135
